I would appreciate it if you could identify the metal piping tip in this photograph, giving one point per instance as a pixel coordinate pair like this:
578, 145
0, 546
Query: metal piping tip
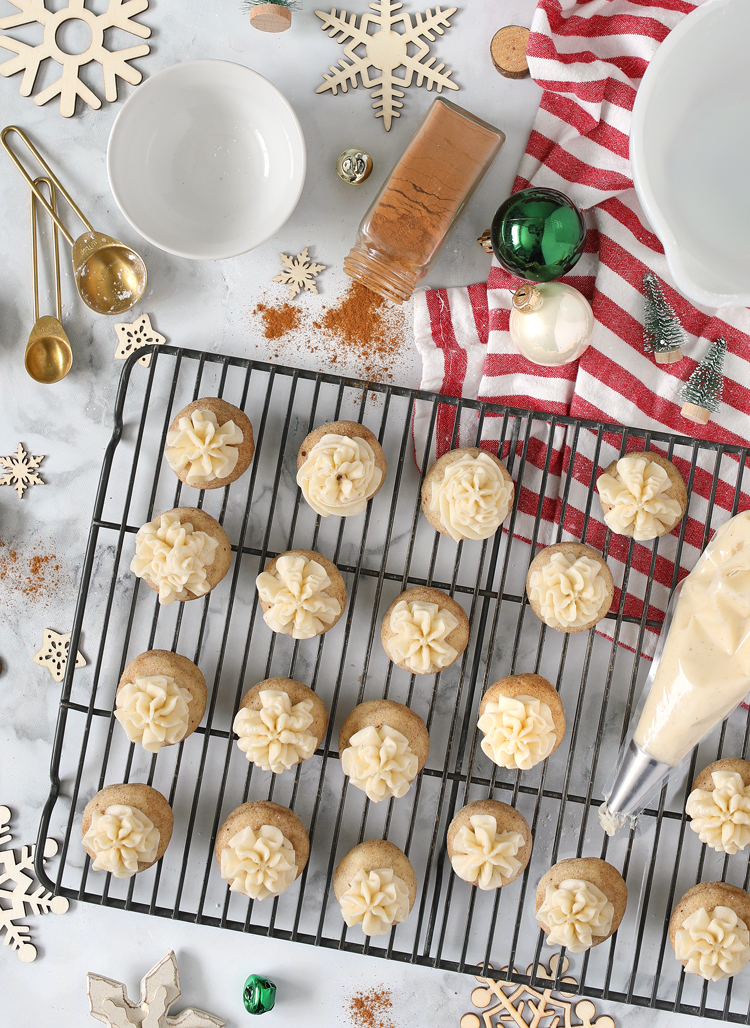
638, 777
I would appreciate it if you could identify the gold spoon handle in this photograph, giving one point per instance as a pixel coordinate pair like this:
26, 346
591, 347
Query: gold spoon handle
56, 247
37, 193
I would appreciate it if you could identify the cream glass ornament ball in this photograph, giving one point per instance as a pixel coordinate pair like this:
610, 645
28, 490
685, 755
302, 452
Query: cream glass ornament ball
550, 323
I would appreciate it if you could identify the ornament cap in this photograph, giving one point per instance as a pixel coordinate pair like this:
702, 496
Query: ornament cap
527, 298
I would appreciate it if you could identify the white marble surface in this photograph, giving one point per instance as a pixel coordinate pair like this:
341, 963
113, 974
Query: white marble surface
203, 306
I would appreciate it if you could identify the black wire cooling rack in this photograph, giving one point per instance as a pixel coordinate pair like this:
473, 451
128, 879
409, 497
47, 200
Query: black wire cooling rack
387, 549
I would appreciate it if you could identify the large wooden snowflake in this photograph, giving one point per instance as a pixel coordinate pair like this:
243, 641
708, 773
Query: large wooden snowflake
386, 49
119, 15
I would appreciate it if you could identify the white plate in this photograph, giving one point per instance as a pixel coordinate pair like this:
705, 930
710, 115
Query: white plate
690, 152
206, 159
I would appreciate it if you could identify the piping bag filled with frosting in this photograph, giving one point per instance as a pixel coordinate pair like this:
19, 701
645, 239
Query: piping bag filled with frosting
700, 672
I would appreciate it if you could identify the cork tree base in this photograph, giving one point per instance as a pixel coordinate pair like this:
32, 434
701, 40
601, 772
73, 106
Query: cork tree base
508, 51
271, 18
668, 356
693, 412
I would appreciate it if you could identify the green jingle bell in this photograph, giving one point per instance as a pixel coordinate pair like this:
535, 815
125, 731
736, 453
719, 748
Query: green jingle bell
538, 234
258, 995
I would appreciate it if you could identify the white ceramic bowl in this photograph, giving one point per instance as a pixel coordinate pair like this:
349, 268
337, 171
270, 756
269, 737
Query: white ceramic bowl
690, 152
206, 159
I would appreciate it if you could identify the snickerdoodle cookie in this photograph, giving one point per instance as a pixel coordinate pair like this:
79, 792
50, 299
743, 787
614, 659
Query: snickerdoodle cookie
383, 746
719, 805
126, 828
209, 443
467, 494
280, 723
301, 593
489, 844
522, 720
580, 903
261, 849
424, 630
376, 886
160, 699
709, 930
643, 495
570, 587
340, 466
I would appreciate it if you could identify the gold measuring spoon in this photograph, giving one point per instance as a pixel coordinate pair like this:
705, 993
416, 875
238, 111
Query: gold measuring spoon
48, 355
109, 276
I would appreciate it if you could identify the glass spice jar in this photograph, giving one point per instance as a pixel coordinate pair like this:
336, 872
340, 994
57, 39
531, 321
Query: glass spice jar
405, 228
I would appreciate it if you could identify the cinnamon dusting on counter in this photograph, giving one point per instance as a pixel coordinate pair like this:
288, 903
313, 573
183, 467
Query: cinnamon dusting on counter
34, 575
371, 1009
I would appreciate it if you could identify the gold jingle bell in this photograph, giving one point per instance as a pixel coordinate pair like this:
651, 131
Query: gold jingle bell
354, 166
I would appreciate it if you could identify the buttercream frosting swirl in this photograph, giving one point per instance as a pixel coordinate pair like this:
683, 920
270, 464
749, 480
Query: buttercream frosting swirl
420, 634
570, 591
376, 900
208, 450
275, 738
259, 864
339, 476
122, 837
473, 498
296, 592
637, 498
153, 711
380, 763
713, 944
576, 914
483, 856
518, 731
174, 557
721, 817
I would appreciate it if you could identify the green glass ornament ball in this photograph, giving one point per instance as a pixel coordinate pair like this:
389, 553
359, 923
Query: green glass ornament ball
538, 234
259, 995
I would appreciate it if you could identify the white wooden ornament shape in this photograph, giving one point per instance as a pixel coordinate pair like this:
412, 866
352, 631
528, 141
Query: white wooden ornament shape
54, 654
386, 49
114, 63
23, 901
21, 470
298, 273
133, 337
160, 988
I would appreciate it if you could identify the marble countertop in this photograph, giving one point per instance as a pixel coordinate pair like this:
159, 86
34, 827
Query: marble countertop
203, 306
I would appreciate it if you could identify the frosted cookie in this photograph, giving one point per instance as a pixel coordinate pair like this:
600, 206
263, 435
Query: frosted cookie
569, 586
280, 723
424, 631
580, 903
642, 495
261, 849
126, 829
376, 886
210, 444
709, 930
489, 844
522, 721
160, 699
301, 593
340, 466
467, 494
383, 746
719, 805
182, 554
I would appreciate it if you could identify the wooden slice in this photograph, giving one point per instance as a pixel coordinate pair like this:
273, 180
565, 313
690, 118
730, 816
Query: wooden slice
508, 51
668, 356
271, 18
693, 412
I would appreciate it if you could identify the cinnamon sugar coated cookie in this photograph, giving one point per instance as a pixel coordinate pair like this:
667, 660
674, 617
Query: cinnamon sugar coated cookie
340, 467
376, 886
261, 849
642, 495
383, 746
522, 721
489, 844
467, 494
280, 723
161, 699
709, 930
301, 593
580, 903
210, 443
569, 586
126, 828
424, 631
719, 805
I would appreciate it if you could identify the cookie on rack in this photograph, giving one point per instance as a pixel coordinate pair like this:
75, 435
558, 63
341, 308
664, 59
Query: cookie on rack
580, 903
261, 849
719, 805
709, 930
569, 586
376, 886
280, 723
340, 467
301, 593
126, 828
467, 494
210, 443
161, 699
522, 720
489, 844
182, 554
643, 495
383, 746
424, 630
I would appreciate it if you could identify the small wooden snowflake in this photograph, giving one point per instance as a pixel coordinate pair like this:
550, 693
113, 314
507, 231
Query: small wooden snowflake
299, 272
133, 337
54, 654
21, 470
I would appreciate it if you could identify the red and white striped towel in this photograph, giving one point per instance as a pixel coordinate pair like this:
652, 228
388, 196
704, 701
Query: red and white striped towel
589, 56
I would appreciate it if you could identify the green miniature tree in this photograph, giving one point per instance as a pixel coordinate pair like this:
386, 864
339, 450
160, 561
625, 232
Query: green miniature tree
663, 335
702, 391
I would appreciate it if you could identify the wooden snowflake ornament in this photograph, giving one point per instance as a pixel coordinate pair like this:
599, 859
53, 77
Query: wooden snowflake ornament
386, 49
19, 901
133, 337
298, 273
21, 470
54, 654
160, 988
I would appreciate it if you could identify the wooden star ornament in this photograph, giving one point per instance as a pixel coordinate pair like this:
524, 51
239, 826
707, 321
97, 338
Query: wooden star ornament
21, 470
54, 654
133, 337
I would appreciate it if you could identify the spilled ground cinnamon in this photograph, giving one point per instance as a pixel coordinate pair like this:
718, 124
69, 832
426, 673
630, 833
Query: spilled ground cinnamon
370, 1009
34, 575
278, 320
